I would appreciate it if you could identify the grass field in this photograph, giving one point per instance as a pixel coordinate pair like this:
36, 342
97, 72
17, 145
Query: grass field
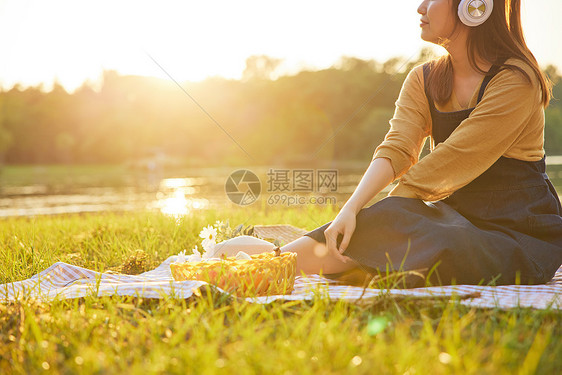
213, 334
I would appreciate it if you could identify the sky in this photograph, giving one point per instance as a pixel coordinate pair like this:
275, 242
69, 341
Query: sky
72, 41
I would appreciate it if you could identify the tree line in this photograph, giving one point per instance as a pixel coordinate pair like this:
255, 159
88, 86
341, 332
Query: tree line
340, 113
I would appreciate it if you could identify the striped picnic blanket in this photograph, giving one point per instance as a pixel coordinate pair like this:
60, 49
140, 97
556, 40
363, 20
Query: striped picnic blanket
63, 281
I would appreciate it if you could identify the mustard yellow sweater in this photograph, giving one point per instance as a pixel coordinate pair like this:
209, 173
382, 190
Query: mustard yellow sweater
508, 121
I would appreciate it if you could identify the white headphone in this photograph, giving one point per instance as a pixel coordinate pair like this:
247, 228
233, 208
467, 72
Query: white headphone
475, 12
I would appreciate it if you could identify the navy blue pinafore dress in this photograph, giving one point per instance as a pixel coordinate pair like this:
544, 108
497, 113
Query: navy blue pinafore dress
502, 228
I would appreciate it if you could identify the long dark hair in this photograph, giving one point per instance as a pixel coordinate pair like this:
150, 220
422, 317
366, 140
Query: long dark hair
496, 40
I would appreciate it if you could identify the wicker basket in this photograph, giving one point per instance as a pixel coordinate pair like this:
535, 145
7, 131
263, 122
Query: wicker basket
268, 273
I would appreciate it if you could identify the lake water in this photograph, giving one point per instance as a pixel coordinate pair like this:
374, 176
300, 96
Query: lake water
30, 191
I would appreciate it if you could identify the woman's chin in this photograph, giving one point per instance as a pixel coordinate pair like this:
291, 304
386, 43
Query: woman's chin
428, 38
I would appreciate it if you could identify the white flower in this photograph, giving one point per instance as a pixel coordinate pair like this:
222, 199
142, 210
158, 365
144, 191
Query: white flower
181, 257
208, 233
208, 244
209, 247
196, 256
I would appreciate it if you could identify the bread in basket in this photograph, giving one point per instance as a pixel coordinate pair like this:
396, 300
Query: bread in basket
268, 273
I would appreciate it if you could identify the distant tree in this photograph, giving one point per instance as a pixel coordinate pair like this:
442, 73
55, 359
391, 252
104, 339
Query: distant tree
6, 140
64, 145
392, 65
260, 67
552, 72
553, 131
337, 113
426, 54
356, 64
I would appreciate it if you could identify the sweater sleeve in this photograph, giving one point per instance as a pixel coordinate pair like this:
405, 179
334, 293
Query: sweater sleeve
409, 125
478, 142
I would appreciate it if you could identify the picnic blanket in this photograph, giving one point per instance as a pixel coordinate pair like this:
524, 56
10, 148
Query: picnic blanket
64, 281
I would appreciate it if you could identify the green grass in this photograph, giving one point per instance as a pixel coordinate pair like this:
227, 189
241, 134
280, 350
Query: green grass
81, 175
214, 334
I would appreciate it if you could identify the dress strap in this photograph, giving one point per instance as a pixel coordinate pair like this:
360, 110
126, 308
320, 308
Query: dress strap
491, 74
426, 70
494, 69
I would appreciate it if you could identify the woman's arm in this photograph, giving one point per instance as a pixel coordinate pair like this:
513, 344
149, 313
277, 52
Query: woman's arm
409, 127
379, 175
510, 110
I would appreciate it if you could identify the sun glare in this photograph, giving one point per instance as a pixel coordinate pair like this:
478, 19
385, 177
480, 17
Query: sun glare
76, 41
70, 41
178, 204
176, 183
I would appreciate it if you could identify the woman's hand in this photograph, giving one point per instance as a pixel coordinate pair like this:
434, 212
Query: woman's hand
379, 174
344, 224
